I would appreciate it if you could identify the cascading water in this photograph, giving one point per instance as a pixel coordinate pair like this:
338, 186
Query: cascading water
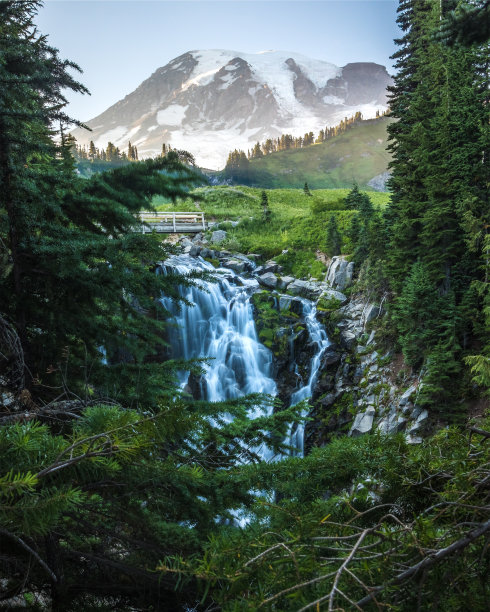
318, 336
219, 326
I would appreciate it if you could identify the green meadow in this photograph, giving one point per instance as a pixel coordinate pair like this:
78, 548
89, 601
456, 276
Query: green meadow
297, 222
357, 155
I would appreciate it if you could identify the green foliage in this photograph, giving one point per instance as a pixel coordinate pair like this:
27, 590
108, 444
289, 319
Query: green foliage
358, 154
333, 241
324, 539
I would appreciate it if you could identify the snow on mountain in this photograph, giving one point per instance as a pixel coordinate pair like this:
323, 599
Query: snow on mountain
212, 101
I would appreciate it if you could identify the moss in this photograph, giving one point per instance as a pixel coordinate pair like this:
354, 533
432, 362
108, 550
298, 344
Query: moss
328, 304
214, 262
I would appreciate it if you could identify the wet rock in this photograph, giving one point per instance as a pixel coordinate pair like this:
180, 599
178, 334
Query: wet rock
218, 236
330, 356
236, 265
268, 280
207, 253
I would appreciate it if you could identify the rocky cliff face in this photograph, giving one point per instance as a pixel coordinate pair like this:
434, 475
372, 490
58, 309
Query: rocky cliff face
358, 388
212, 101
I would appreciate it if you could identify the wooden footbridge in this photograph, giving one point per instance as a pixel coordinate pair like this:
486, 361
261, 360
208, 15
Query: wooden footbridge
172, 222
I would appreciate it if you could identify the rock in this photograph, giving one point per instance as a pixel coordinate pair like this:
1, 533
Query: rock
330, 356
347, 340
330, 295
218, 236
327, 400
406, 397
7, 399
185, 242
371, 338
358, 373
378, 182
186, 250
268, 280
370, 312
194, 250
198, 237
298, 287
236, 265
393, 423
339, 273
207, 253
285, 281
362, 423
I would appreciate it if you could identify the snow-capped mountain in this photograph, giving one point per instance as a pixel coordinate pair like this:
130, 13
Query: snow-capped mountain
210, 102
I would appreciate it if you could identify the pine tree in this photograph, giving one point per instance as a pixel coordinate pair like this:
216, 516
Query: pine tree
334, 238
306, 190
264, 201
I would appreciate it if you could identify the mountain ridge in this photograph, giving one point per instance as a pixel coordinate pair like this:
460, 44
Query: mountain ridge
212, 101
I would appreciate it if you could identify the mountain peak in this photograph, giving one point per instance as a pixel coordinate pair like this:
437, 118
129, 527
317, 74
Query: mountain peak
210, 101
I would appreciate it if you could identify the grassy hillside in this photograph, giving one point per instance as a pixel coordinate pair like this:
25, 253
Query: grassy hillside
356, 155
297, 224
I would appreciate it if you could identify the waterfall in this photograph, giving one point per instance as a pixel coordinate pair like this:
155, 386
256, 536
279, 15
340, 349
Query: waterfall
218, 325
318, 336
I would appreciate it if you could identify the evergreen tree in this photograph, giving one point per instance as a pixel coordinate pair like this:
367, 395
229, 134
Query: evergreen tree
306, 190
356, 200
334, 238
264, 201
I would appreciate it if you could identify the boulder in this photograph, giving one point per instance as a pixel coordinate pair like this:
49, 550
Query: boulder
218, 236
327, 400
419, 423
371, 312
195, 250
330, 295
284, 282
236, 265
268, 280
407, 396
339, 273
330, 356
363, 423
207, 253
298, 287
347, 340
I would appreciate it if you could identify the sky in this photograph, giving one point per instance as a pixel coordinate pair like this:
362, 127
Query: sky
120, 43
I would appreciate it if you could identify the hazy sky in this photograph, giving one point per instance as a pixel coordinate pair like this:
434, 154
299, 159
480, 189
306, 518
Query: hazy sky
119, 43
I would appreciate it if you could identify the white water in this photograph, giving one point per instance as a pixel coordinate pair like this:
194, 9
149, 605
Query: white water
219, 326
319, 337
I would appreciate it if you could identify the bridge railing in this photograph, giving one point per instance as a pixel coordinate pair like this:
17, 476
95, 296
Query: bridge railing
172, 219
